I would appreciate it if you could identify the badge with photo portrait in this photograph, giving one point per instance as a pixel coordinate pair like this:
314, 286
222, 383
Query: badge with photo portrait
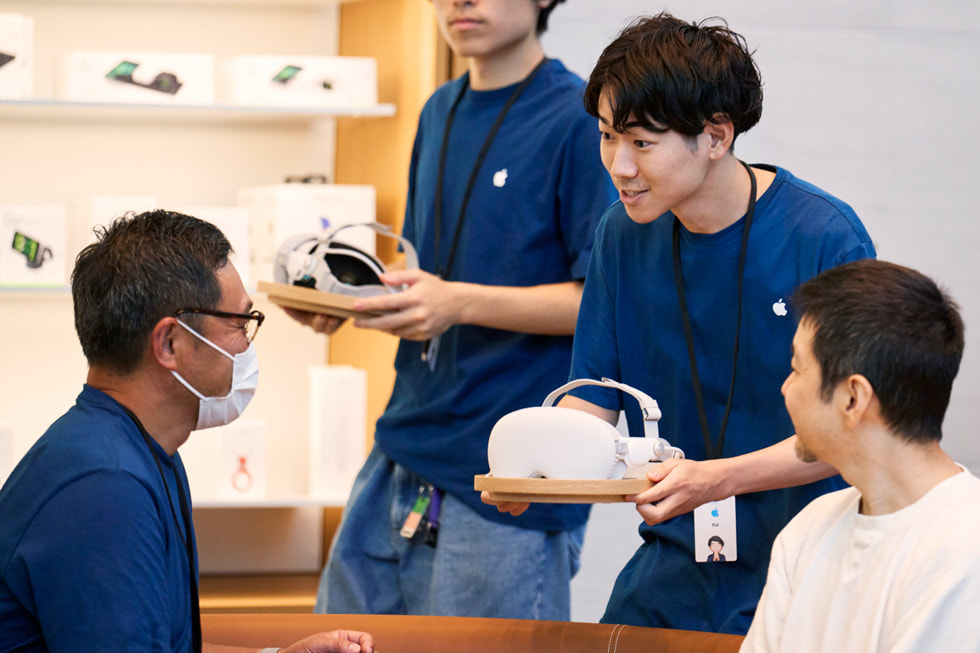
714, 532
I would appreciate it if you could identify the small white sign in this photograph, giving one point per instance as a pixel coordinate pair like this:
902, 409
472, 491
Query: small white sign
714, 532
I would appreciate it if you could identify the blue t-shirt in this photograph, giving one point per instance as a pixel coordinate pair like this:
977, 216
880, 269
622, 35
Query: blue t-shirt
630, 329
91, 554
531, 220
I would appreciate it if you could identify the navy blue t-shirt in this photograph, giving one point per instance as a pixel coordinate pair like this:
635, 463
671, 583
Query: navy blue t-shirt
91, 552
531, 220
630, 329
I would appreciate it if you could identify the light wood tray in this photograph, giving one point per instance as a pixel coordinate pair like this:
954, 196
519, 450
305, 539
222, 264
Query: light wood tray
312, 300
555, 490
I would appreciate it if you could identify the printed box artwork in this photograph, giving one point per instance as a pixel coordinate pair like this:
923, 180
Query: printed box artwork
243, 466
280, 80
16, 57
138, 77
33, 245
228, 463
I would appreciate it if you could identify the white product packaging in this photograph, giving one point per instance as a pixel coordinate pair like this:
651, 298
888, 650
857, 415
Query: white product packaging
137, 77
6, 450
242, 467
16, 57
233, 221
285, 80
228, 463
98, 211
281, 211
338, 420
33, 244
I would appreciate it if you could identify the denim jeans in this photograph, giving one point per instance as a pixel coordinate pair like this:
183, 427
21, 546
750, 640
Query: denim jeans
479, 568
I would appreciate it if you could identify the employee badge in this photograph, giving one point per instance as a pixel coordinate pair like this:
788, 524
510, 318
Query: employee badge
714, 532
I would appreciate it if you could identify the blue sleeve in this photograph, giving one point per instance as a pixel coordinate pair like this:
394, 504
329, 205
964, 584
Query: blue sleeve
408, 224
584, 191
91, 568
595, 350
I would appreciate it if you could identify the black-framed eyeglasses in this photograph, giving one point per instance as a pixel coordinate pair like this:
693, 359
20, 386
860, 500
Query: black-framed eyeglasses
250, 322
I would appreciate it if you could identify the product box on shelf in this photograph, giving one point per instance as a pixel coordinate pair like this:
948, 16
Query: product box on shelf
281, 211
16, 57
137, 77
228, 463
338, 419
272, 80
33, 245
234, 224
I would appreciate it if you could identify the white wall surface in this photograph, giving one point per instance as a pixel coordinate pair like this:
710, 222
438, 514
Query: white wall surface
872, 101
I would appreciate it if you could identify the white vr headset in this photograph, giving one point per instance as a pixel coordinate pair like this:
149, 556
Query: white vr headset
549, 441
327, 264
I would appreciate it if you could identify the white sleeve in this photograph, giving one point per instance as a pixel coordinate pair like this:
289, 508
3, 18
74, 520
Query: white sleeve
765, 633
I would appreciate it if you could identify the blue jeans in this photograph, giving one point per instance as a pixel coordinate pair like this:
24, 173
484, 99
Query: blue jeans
479, 568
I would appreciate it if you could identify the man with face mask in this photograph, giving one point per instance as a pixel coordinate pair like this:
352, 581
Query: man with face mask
97, 548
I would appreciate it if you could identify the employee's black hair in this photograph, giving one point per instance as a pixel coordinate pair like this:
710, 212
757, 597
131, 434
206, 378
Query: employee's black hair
666, 74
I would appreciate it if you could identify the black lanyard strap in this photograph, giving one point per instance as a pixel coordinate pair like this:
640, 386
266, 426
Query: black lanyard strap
713, 450
185, 537
443, 271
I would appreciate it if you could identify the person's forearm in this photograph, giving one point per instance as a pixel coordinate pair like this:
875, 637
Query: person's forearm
771, 468
550, 309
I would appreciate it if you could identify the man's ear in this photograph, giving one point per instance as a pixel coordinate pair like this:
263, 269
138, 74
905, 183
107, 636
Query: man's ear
720, 135
162, 343
856, 397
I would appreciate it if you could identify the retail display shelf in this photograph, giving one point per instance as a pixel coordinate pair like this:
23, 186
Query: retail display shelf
26, 291
61, 110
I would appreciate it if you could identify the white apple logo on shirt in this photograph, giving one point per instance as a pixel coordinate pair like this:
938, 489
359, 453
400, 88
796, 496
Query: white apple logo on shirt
500, 178
779, 308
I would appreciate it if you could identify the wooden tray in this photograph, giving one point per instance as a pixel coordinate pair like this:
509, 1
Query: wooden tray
556, 490
312, 300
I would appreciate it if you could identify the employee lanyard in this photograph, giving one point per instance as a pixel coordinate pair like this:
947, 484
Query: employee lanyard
713, 450
185, 537
444, 271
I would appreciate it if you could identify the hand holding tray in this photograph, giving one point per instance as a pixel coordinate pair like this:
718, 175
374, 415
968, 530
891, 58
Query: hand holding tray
312, 300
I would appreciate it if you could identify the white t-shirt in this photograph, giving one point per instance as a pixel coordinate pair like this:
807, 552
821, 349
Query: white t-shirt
908, 581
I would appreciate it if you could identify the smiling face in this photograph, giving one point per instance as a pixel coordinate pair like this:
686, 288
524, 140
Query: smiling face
653, 171
813, 416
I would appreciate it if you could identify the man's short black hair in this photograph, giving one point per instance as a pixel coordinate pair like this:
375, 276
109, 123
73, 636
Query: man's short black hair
667, 74
141, 269
895, 327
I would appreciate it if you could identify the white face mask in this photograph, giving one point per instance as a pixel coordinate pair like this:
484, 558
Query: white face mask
218, 411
